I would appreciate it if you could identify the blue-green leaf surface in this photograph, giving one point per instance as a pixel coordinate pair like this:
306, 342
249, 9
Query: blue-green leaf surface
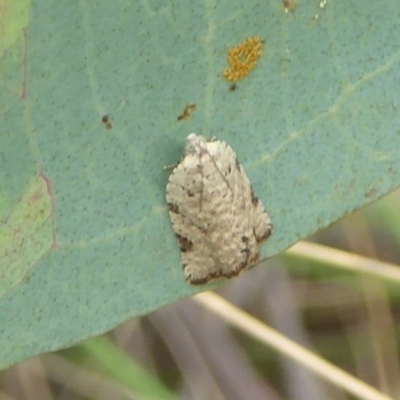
85, 240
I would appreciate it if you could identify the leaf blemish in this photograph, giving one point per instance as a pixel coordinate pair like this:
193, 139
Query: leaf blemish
106, 120
187, 112
243, 58
27, 234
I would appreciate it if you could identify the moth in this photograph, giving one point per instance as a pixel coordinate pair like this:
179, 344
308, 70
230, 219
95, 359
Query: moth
217, 218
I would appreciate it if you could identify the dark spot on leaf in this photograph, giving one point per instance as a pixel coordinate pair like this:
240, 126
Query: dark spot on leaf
106, 120
233, 87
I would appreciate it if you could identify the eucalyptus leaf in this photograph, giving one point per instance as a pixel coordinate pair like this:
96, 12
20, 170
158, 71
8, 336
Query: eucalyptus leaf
91, 93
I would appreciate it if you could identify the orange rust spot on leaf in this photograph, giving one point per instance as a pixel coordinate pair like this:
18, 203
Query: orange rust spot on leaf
243, 58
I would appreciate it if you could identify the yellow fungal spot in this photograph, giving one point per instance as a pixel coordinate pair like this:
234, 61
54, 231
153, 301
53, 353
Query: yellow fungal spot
243, 58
